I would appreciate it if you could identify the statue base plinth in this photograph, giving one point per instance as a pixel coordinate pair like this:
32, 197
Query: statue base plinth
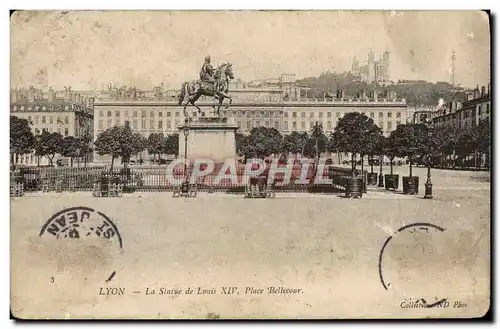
209, 137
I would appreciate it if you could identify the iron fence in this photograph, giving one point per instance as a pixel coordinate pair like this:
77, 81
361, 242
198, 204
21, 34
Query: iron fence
156, 179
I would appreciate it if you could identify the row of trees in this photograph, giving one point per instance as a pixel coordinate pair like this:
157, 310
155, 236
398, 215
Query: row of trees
22, 141
121, 141
357, 135
115, 141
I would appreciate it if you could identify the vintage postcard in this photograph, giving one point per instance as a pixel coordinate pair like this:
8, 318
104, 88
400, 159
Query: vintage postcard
250, 164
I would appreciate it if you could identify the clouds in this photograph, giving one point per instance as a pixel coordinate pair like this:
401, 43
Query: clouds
90, 48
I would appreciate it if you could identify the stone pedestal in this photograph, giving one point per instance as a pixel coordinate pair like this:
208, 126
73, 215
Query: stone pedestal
209, 137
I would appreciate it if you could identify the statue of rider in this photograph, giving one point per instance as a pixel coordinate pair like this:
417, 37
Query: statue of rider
207, 71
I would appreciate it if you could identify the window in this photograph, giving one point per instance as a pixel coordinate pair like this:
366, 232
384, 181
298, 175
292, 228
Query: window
303, 114
101, 114
37, 131
177, 123
311, 114
29, 118
169, 124
66, 119
285, 114
303, 125
134, 114
372, 115
169, 114
381, 125
43, 118
311, 124
257, 123
286, 125
51, 130
126, 114
134, 124
58, 130
277, 125
294, 125
380, 114
160, 114
398, 123
143, 124
294, 114
240, 114
266, 114
109, 113
194, 114
143, 114
329, 125
65, 131
177, 114
320, 115
247, 114
51, 119
389, 125
59, 120
151, 124
488, 108
398, 114
117, 113
36, 119
389, 114
109, 123
329, 114
160, 124
337, 114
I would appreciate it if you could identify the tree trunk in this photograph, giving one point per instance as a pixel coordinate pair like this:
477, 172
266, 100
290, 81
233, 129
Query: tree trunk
71, 162
371, 164
362, 161
409, 158
38, 160
338, 157
112, 162
50, 159
353, 164
391, 160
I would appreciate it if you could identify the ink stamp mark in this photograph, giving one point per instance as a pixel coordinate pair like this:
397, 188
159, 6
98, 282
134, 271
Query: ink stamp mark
422, 227
81, 222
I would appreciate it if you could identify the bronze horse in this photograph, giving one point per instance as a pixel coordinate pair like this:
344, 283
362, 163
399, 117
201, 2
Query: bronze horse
193, 90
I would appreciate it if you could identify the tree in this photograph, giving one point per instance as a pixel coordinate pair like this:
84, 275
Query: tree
262, 142
410, 141
21, 138
316, 142
390, 149
374, 145
351, 134
156, 144
48, 144
71, 147
117, 142
295, 142
172, 144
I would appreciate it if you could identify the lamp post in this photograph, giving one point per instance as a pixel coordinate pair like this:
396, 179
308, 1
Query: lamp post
186, 133
185, 183
428, 183
380, 176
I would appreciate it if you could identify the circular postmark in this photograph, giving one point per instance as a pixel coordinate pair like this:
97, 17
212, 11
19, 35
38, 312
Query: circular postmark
414, 262
81, 223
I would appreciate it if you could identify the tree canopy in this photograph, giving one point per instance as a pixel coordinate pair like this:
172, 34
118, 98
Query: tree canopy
21, 138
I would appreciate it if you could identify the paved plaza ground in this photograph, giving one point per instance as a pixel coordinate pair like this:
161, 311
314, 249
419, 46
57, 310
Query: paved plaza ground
324, 247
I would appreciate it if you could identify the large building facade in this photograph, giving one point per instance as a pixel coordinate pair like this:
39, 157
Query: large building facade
465, 114
251, 108
67, 113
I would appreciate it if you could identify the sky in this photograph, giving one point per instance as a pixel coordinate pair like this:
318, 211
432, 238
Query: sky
89, 49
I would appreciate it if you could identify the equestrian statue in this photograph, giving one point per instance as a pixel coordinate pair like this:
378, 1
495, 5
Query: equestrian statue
212, 83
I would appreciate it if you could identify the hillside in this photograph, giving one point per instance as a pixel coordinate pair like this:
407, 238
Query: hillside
416, 92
